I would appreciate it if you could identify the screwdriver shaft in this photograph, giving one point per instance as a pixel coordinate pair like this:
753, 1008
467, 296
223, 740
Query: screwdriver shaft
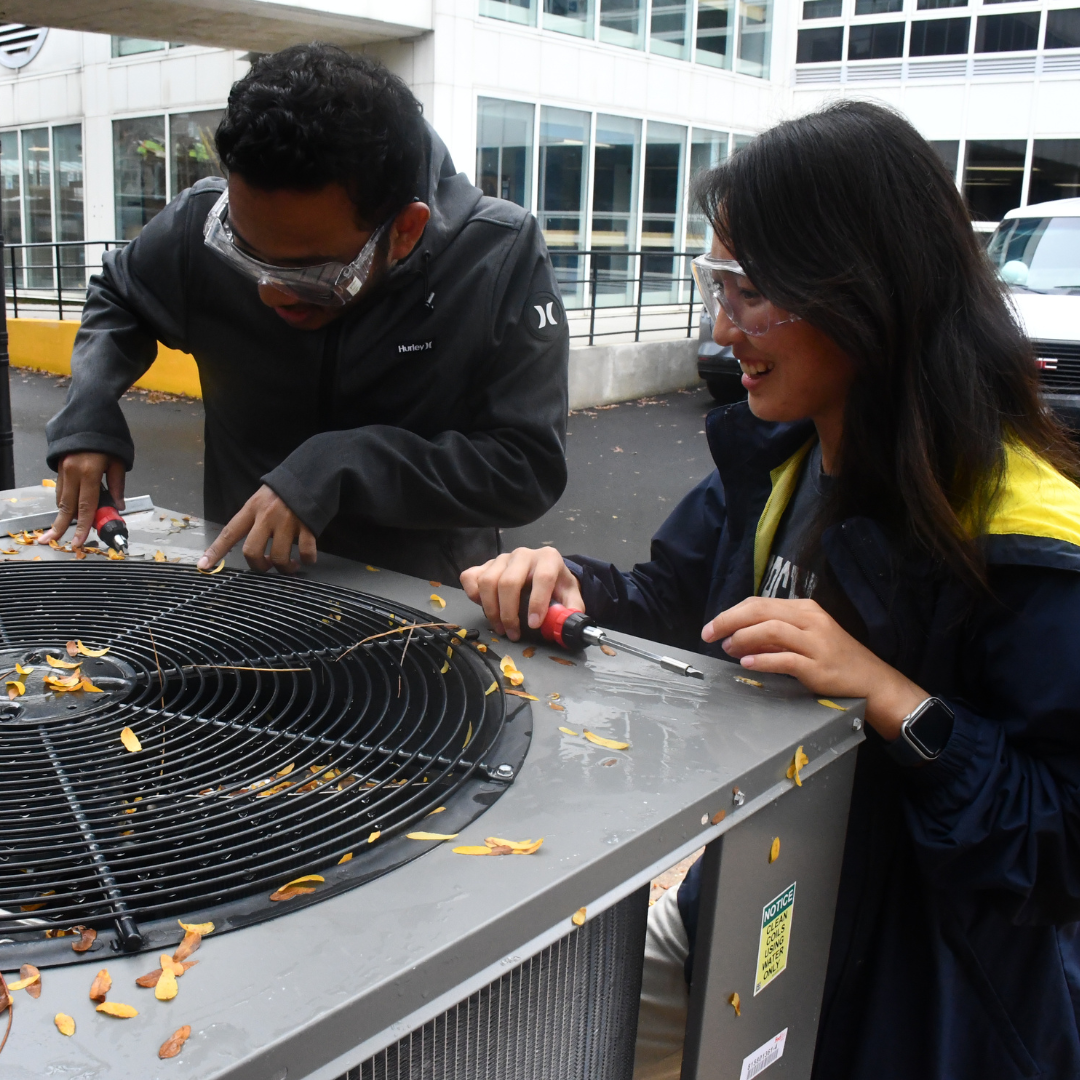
595, 636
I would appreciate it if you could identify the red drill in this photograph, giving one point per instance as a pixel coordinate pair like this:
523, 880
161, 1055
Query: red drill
109, 525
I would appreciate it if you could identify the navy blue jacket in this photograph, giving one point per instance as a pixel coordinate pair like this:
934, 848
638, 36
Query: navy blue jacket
956, 946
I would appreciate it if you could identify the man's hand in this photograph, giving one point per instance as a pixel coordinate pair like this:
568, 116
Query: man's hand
264, 519
78, 487
498, 584
798, 637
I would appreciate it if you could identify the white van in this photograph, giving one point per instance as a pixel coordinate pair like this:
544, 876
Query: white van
1036, 250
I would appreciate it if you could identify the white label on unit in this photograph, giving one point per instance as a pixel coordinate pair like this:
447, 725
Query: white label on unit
756, 1063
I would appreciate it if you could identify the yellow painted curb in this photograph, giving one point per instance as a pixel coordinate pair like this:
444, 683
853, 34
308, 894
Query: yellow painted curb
46, 344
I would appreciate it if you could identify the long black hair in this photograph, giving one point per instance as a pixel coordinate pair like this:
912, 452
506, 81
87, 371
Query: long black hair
847, 217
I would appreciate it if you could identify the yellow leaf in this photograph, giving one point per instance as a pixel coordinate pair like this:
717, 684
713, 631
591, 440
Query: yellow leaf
159, 556
289, 891
123, 1012
201, 928
217, 569
610, 744
510, 671
437, 810
87, 685
468, 736
578, 918
116, 556
169, 964
15, 688
53, 662
130, 740
84, 651
345, 858
774, 849
748, 682
735, 1002
797, 762
473, 850
491, 689
101, 985
64, 1024
567, 731
521, 693
373, 569
830, 704
274, 790
518, 847
437, 600
302, 880
52, 483
23, 670
445, 667
174, 1043
372, 837
529, 653
22, 984
167, 986
285, 771
431, 836
556, 706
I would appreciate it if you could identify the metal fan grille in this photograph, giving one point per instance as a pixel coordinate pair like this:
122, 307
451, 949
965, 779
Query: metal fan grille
247, 777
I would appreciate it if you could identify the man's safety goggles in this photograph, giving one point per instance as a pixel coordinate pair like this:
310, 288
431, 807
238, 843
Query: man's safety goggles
724, 286
331, 284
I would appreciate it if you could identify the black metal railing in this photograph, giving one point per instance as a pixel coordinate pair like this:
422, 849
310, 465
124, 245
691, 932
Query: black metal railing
43, 277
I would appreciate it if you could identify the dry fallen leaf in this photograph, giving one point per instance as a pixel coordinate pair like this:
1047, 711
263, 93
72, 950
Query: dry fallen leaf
468, 734
437, 810
774, 849
345, 858
607, 650
610, 744
569, 731
64, 1024
556, 706
169, 964
24, 670
33, 988
830, 704
72, 648
159, 556
431, 836
175, 1042
114, 1008
150, 979
285, 771
83, 650
53, 662
22, 984
202, 928
130, 740
435, 584
192, 940
438, 601
101, 985
474, 850
38, 907
287, 892
445, 667
217, 569
87, 685
373, 569
89, 935
748, 682
48, 483
304, 880
491, 689
517, 847
562, 660
510, 671
719, 816
522, 694
15, 688
578, 918
735, 1002
529, 653
167, 986
373, 836
797, 762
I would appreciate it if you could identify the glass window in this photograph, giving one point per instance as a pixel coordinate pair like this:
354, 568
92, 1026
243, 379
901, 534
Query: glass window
739, 141
1063, 29
138, 172
68, 181
715, 32
622, 22
875, 41
1007, 33
669, 28
933, 5
504, 150
755, 37
948, 150
993, 177
707, 150
11, 197
37, 205
822, 9
615, 198
569, 17
1055, 170
661, 219
1038, 253
519, 11
564, 145
939, 37
192, 150
878, 7
821, 45
130, 46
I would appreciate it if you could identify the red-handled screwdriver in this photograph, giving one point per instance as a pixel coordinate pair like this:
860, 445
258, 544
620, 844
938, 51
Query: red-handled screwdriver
108, 524
574, 630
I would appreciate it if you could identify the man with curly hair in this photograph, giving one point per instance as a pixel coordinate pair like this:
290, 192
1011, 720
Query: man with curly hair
382, 349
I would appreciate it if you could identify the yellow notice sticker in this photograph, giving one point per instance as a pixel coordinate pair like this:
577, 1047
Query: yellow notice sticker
775, 938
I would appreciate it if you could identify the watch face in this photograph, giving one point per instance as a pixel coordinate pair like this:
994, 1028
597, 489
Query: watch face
930, 730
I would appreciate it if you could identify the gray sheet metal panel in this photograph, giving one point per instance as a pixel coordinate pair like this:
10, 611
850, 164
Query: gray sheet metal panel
313, 993
738, 882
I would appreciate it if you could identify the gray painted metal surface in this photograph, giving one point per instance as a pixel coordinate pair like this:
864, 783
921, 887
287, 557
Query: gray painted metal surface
35, 508
313, 993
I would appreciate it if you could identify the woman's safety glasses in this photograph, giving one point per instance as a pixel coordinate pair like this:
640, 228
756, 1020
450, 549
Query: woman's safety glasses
724, 286
331, 284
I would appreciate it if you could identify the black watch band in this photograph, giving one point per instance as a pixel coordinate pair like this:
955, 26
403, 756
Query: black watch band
924, 733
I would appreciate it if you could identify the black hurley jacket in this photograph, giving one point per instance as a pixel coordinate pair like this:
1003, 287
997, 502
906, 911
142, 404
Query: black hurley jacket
405, 433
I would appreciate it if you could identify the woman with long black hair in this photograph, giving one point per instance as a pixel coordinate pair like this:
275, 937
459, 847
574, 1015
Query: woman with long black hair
894, 516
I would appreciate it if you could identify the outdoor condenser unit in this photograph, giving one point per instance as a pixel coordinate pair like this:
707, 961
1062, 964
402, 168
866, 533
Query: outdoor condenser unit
274, 746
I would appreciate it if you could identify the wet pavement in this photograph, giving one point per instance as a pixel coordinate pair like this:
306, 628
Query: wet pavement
629, 463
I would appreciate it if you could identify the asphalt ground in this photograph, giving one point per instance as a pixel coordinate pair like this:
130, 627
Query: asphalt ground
629, 464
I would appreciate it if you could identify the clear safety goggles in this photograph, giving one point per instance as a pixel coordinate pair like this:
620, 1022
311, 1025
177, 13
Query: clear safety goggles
331, 284
724, 286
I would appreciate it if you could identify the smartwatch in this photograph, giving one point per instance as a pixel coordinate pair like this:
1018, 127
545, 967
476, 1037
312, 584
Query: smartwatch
923, 734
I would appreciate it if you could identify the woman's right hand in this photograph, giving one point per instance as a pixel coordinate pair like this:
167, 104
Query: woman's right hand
497, 586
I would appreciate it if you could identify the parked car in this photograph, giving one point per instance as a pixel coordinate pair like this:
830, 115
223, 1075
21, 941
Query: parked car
1036, 250
716, 364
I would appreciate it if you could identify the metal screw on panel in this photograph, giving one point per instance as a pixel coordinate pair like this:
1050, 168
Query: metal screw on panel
856, 723
504, 771
737, 797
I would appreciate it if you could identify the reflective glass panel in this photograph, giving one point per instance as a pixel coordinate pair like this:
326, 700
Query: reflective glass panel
662, 207
669, 28
622, 22
1055, 170
707, 149
1063, 29
519, 11
192, 150
569, 17
564, 146
504, 150
130, 46
939, 37
715, 36
70, 226
614, 205
820, 45
1041, 254
948, 150
11, 199
822, 9
755, 37
1017, 32
993, 177
929, 5
875, 41
878, 7
138, 172
37, 206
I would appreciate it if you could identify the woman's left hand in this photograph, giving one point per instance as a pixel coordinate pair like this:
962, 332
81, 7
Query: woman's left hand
797, 637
